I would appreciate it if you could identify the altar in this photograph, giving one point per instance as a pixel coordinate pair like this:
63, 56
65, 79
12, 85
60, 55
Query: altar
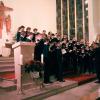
5, 30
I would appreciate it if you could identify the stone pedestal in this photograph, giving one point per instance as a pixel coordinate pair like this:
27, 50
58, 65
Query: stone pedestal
7, 50
25, 49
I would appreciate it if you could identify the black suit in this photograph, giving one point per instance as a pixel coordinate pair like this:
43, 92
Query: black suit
97, 62
59, 69
38, 50
33, 38
18, 35
74, 60
46, 64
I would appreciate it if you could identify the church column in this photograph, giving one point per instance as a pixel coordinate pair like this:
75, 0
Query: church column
68, 20
83, 19
62, 18
91, 20
75, 20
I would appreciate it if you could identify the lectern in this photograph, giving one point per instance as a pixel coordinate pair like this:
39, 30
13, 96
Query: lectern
23, 52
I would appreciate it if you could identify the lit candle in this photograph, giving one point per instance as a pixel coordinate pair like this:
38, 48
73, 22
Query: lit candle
32, 56
41, 58
21, 59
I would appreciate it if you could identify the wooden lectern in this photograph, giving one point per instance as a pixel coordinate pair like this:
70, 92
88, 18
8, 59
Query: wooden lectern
23, 52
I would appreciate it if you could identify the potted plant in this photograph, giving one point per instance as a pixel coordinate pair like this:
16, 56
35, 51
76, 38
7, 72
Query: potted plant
34, 68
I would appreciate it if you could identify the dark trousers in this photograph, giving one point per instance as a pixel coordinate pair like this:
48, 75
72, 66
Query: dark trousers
74, 62
97, 66
60, 72
46, 71
81, 65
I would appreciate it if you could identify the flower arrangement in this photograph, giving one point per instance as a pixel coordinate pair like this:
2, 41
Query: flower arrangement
33, 66
35, 69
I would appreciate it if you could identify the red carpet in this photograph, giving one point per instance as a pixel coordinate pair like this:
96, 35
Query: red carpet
82, 78
7, 75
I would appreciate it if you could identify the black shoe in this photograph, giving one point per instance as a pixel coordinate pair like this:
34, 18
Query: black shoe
97, 81
48, 82
61, 80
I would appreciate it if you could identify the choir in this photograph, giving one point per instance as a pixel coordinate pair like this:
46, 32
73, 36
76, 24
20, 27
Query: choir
60, 54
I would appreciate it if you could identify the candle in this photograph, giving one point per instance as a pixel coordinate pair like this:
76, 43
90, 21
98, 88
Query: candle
41, 58
32, 56
21, 59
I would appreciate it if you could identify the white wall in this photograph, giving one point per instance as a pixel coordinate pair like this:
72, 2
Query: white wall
34, 13
94, 19
96, 9
91, 21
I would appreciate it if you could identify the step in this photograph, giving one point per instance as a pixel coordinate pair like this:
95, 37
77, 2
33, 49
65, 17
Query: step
53, 91
7, 67
3, 63
81, 79
48, 90
6, 64
89, 91
6, 61
36, 92
39, 94
7, 85
6, 58
7, 70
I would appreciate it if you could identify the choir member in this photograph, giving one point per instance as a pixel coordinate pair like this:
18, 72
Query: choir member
52, 58
82, 60
46, 62
87, 60
64, 54
19, 32
44, 35
74, 59
97, 60
59, 69
27, 33
29, 37
23, 36
38, 50
35, 32
92, 60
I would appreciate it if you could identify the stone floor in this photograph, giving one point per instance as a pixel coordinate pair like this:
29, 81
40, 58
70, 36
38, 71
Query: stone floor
89, 91
32, 92
35, 93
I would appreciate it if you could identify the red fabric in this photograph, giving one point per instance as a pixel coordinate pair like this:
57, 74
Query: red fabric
30, 62
39, 36
1, 25
81, 77
0, 33
8, 75
1, 22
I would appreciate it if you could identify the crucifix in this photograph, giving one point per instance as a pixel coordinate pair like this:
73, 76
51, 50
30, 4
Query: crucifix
6, 20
